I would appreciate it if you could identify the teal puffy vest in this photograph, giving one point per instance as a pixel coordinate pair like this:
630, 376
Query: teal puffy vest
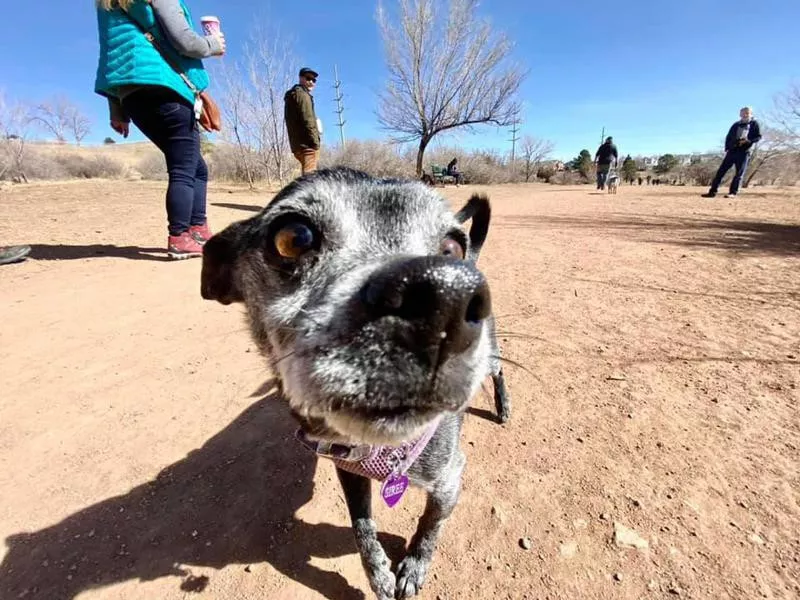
128, 58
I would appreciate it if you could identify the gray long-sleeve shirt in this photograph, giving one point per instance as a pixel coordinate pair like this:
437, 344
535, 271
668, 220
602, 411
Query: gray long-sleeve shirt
181, 36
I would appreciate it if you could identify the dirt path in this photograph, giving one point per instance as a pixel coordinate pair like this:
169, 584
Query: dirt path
142, 454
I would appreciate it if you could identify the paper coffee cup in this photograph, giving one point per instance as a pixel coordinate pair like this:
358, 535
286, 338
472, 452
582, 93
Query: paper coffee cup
210, 25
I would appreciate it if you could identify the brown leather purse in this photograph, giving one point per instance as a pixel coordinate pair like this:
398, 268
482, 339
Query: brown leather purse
211, 117
205, 109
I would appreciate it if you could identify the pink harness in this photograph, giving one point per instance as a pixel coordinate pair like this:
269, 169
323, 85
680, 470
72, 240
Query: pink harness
383, 463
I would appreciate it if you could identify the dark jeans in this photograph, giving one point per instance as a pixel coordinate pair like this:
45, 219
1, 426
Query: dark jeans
168, 121
734, 158
602, 175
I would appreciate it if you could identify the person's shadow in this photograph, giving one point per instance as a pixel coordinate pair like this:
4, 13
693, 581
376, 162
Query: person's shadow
232, 501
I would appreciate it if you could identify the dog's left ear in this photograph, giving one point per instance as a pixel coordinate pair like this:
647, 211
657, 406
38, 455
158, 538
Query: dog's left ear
477, 208
218, 276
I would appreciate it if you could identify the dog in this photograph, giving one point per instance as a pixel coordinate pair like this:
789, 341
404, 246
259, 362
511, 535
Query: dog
613, 183
364, 297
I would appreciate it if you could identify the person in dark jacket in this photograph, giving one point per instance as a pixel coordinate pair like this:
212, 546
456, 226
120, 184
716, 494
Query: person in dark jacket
452, 170
739, 143
301, 121
605, 155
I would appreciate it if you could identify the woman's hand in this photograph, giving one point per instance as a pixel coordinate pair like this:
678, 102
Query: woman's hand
121, 127
221, 37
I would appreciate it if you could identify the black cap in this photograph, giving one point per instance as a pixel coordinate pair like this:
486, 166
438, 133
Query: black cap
307, 71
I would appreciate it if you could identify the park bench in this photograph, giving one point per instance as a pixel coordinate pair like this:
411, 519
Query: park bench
440, 175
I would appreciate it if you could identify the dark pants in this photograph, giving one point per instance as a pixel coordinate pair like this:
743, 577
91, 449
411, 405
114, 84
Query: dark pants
734, 158
168, 121
602, 175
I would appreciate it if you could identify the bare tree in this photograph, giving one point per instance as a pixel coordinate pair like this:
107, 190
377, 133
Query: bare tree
447, 69
533, 152
778, 149
58, 117
235, 109
786, 115
773, 145
51, 116
253, 105
701, 172
14, 120
79, 125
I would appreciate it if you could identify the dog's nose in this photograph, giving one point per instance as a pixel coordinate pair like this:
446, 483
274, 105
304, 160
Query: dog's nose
445, 300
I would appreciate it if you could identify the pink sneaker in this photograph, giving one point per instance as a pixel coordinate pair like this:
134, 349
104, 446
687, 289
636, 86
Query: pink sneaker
201, 233
183, 246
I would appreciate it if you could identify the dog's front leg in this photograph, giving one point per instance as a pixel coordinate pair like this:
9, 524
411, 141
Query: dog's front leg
501, 400
358, 495
442, 498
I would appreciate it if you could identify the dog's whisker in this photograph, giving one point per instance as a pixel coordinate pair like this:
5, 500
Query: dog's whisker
284, 357
509, 315
512, 362
528, 336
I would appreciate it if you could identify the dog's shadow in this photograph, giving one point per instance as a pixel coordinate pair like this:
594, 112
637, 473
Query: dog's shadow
233, 501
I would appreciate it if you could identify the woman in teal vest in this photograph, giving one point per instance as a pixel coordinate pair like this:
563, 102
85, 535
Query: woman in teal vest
142, 87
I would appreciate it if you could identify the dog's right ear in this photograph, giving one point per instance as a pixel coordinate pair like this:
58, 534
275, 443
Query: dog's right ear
478, 209
218, 276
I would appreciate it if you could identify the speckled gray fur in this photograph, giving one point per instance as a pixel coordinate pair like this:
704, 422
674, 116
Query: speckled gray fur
348, 375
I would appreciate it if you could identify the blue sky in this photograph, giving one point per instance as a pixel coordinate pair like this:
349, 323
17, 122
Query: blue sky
660, 77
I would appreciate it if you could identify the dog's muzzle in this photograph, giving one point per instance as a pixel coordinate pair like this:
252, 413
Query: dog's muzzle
441, 301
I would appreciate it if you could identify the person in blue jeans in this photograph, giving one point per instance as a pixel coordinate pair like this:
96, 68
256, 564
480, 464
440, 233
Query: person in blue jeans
739, 143
142, 87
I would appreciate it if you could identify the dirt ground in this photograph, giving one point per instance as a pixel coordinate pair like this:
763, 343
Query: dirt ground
144, 456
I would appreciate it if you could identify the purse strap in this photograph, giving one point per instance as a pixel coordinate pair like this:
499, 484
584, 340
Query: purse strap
164, 54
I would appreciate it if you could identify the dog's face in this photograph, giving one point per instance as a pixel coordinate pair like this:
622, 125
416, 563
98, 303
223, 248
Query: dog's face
364, 296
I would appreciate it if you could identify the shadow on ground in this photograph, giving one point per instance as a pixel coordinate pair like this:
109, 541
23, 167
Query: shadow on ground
230, 502
722, 234
66, 252
234, 206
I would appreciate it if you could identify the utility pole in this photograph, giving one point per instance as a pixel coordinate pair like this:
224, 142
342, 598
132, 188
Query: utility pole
514, 139
337, 85
603, 136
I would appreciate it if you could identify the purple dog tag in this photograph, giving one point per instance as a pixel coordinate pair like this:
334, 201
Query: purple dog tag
393, 489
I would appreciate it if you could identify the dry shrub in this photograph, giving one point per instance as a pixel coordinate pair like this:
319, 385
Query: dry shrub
41, 166
379, 159
702, 173
478, 166
568, 178
546, 174
81, 166
153, 167
232, 163
20, 161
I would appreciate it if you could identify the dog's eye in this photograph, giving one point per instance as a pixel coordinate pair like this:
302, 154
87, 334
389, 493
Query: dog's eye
294, 240
451, 247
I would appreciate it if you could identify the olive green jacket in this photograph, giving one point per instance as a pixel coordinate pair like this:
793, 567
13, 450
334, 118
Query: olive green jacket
301, 120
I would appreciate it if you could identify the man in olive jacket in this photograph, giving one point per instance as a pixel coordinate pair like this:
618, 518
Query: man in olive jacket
301, 121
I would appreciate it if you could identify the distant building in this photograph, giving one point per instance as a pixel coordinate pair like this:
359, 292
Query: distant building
556, 165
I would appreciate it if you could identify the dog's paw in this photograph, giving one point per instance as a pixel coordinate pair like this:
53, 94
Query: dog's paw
383, 583
411, 574
504, 416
